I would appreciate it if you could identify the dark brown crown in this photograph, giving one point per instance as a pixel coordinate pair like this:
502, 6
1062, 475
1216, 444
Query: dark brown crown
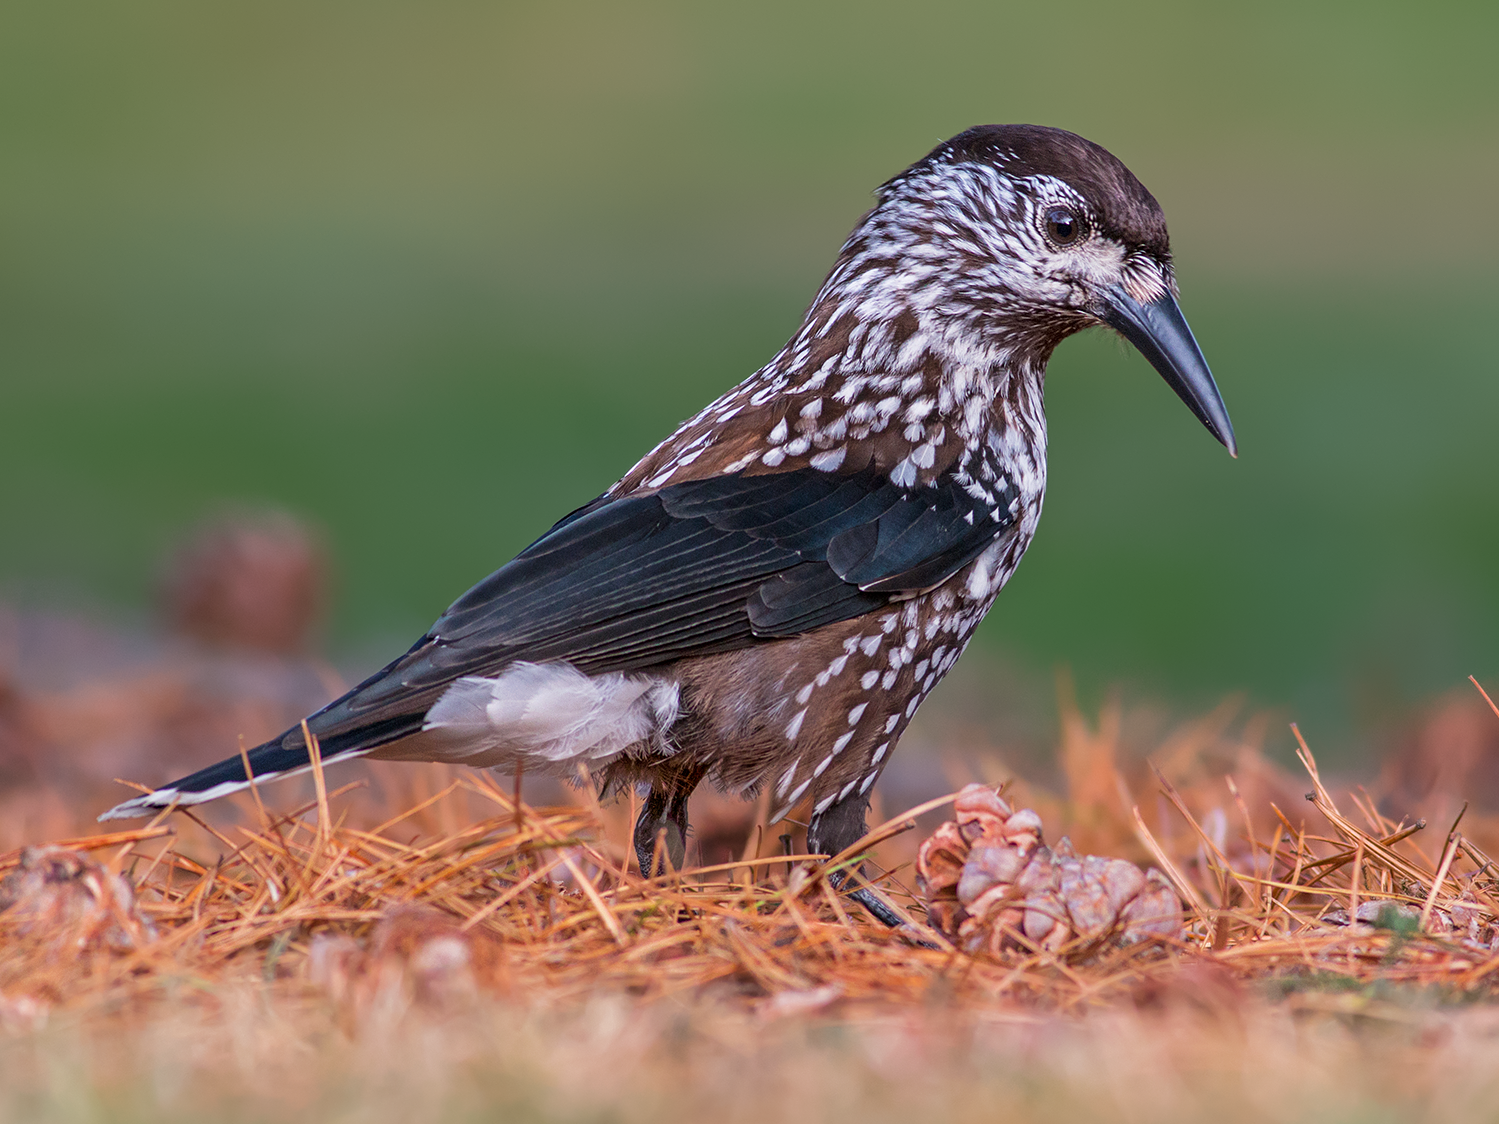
1125, 210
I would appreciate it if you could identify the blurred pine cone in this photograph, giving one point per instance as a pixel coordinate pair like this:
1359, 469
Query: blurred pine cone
70, 903
250, 581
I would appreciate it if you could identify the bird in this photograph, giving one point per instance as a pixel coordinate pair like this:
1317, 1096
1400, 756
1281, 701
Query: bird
766, 598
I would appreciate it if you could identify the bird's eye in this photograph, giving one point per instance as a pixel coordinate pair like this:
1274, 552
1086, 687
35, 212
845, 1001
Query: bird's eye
1064, 226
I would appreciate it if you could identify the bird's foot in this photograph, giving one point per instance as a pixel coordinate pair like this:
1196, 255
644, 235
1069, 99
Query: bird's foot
877, 908
880, 910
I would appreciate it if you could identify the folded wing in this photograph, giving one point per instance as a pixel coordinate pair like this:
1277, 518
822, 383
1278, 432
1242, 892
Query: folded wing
634, 582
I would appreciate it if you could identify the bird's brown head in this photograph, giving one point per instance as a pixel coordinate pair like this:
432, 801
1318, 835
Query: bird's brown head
1006, 239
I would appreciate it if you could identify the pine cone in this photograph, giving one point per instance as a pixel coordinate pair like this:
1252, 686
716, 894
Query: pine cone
989, 880
71, 903
415, 954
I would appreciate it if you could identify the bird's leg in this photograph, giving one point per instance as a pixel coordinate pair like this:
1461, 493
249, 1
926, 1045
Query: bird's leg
648, 825
833, 831
664, 816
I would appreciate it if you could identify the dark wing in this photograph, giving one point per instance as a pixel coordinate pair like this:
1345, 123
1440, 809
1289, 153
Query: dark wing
699, 567
713, 564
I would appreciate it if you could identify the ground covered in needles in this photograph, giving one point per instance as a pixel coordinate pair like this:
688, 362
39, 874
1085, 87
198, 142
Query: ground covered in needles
472, 952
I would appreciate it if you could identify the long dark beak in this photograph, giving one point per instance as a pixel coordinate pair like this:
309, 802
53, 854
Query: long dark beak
1160, 332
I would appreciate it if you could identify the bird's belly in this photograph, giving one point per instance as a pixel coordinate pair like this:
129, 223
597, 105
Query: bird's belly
818, 715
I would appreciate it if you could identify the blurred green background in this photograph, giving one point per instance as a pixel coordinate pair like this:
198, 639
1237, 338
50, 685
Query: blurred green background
431, 275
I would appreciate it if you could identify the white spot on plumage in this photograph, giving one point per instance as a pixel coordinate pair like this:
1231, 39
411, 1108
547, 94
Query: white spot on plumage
786, 778
795, 726
829, 461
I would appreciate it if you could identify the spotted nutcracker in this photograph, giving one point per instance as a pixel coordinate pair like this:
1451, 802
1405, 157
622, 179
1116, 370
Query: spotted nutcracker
769, 594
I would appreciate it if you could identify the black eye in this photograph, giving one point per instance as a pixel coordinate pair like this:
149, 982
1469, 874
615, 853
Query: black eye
1064, 226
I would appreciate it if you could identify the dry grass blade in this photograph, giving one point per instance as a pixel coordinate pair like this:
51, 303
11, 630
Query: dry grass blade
591, 892
544, 885
1169, 869
1492, 704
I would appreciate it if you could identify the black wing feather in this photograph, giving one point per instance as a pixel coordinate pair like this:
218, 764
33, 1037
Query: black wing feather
700, 567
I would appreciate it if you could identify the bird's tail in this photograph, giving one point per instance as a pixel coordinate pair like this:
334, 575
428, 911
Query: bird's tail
286, 756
